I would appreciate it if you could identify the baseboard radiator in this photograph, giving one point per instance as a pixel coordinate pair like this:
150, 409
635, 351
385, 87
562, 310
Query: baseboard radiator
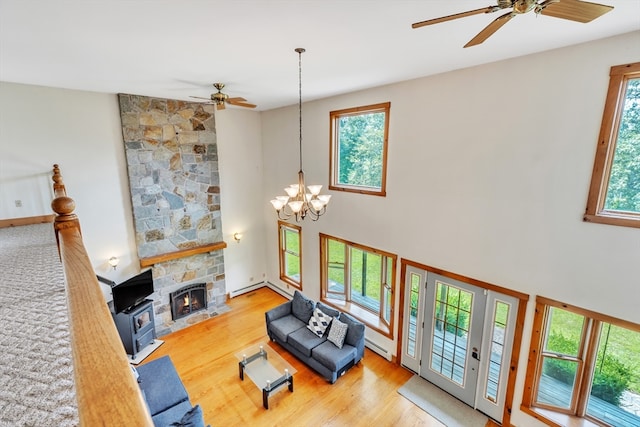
377, 349
247, 289
279, 290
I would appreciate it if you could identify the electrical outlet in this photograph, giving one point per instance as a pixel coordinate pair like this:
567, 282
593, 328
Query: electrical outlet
18, 203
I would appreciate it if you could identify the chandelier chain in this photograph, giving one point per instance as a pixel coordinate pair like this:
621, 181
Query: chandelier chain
301, 200
300, 51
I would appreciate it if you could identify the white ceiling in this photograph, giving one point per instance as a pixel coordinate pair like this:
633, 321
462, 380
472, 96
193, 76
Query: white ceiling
177, 48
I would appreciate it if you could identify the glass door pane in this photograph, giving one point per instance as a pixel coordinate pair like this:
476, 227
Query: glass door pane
451, 331
498, 330
415, 281
497, 343
453, 318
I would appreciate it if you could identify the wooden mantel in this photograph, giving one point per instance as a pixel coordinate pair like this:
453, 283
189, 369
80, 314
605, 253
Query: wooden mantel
149, 261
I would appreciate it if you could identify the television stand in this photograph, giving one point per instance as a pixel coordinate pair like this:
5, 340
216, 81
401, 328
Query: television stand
136, 327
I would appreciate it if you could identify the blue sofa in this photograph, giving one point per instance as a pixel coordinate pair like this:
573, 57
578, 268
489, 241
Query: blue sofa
294, 325
166, 397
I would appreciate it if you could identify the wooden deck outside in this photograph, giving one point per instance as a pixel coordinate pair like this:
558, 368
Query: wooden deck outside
555, 392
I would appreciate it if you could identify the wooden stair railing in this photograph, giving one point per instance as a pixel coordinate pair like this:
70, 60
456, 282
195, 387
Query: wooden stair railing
106, 391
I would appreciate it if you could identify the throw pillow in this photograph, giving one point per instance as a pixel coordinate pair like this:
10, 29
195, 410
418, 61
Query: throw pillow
193, 418
331, 312
337, 333
318, 322
355, 333
302, 307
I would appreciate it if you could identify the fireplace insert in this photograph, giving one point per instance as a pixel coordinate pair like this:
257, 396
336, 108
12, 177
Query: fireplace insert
188, 300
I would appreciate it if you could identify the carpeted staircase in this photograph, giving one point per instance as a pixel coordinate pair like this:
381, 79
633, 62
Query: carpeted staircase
36, 372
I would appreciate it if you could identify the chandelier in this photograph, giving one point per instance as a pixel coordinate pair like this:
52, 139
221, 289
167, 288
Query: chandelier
301, 200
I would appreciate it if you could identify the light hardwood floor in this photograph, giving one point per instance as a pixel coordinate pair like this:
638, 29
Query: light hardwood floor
204, 355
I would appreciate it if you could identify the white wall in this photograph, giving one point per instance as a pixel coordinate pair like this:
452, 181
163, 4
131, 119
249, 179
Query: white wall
488, 174
241, 196
81, 132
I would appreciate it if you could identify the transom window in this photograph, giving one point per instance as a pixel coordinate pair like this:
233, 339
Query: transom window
614, 196
360, 280
359, 149
290, 254
583, 364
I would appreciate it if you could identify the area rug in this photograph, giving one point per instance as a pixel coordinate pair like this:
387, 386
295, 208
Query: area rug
440, 405
36, 371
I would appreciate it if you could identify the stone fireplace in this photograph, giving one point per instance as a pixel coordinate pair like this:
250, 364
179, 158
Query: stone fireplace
172, 163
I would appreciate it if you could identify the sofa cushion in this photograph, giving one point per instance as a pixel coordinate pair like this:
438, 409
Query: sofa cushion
332, 357
318, 322
161, 385
355, 332
331, 312
171, 415
337, 332
302, 307
283, 326
304, 341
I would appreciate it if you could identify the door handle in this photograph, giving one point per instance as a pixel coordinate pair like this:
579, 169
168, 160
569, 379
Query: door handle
475, 353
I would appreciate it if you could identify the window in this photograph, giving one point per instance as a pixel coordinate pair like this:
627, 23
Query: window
290, 254
359, 280
614, 196
359, 149
583, 364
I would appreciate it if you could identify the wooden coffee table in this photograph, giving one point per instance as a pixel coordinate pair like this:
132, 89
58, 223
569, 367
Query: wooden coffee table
268, 371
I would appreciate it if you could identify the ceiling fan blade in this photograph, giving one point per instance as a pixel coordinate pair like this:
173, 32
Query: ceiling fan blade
241, 104
220, 106
199, 97
455, 16
490, 29
575, 10
236, 99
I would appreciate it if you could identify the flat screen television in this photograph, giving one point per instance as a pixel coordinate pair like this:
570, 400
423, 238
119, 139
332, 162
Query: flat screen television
132, 292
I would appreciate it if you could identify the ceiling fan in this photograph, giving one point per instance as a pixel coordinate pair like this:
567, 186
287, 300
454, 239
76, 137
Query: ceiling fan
574, 10
220, 99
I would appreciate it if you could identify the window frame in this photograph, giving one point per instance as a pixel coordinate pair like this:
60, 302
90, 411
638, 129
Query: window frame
607, 139
283, 250
365, 314
587, 357
334, 152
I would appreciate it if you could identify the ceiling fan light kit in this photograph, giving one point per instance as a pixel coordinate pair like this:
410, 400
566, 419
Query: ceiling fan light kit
301, 200
573, 10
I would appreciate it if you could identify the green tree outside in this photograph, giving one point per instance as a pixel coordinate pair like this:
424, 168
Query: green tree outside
361, 142
623, 192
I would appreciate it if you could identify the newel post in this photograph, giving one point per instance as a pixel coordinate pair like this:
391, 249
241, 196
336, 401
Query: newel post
63, 206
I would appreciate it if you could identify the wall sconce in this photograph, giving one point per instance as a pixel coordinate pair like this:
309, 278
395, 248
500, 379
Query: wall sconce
237, 236
113, 262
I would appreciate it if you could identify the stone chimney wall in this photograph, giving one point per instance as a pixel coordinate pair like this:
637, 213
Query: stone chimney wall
172, 162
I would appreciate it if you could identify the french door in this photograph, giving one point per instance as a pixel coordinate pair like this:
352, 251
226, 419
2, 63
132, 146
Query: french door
459, 337
452, 339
